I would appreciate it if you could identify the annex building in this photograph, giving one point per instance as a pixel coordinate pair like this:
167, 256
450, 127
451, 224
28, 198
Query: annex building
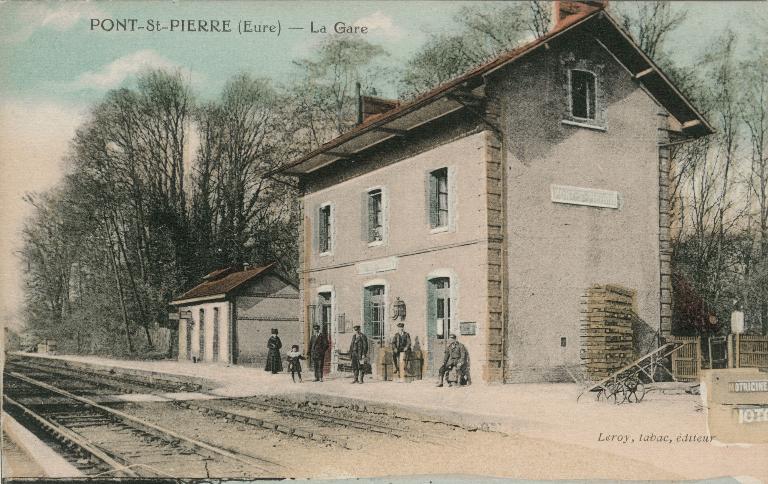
228, 317
491, 204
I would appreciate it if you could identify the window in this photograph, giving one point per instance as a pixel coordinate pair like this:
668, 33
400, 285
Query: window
215, 334
582, 94
375, 216
438, 198
201, 334
373, 312
439, 310
325, 229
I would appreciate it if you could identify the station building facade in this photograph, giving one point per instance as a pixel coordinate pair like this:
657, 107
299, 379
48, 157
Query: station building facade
488, 206
228, 317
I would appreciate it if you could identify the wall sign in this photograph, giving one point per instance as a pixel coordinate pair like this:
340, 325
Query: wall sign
378, 265
591, 197
468, 328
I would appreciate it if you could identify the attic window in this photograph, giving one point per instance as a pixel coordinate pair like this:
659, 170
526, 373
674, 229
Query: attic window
582, 94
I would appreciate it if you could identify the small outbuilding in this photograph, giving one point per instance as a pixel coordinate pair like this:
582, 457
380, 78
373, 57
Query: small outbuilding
228, 316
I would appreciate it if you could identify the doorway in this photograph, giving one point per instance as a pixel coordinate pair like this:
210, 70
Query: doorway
438, 321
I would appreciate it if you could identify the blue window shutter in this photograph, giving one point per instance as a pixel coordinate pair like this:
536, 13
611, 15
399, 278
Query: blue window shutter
364, 217
431, 310
367, 322
431, 200
314, 223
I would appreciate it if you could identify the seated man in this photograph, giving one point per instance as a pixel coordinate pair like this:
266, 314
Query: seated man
455, 357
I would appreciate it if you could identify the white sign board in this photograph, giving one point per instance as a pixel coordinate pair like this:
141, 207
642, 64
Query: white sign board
584, 196
737, 322
378, 265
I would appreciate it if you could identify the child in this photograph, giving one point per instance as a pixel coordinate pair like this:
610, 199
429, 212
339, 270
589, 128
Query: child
294, 362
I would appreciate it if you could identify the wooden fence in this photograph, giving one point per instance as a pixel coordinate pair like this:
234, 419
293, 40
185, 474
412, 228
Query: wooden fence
687, 360
751, 351
742, 352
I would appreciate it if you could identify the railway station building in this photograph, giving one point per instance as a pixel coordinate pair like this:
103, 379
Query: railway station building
489, 206
229, 316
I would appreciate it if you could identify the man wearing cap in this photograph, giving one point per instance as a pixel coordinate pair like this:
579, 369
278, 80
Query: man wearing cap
358, 350
401, 345
318, 345
455, 357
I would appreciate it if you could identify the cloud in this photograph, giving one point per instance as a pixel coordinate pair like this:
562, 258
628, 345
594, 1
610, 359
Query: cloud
382, 25
116, 72
30, 17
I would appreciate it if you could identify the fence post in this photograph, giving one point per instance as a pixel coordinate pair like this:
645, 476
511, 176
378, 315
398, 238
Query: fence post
730, 346
737, 356
698, 355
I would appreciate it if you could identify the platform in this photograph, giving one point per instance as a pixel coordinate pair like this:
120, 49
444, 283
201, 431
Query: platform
543, 411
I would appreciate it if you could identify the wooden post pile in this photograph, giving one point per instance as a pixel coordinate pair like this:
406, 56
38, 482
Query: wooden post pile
606, 329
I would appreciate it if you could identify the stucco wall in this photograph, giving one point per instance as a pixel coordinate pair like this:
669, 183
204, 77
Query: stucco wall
208, 308
411, 252
556, 250
267, 303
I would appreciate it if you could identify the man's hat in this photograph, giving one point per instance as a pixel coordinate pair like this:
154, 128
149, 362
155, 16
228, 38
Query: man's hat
274, 330
356, 327
452, 336
315, 326
400, 325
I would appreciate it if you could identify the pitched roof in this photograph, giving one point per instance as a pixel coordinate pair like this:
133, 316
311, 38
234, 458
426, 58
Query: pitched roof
222, 281
625, 51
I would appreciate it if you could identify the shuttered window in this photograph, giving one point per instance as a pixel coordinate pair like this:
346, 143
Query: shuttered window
324, 227
373, 311
582, 94
438, 198
375, 216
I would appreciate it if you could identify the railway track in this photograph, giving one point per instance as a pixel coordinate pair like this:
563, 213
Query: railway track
105, 441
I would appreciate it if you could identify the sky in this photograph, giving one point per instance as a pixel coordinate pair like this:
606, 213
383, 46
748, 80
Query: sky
56, 60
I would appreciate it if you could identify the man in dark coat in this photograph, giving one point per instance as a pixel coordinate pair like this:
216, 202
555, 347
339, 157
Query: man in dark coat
274, 363
455, 357
358, 351
401, 345
318, 345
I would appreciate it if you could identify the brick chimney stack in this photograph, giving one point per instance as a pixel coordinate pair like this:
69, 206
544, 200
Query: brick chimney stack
562, 9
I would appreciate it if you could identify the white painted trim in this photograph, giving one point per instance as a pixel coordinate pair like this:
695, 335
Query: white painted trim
595, 127
455, 300
384, 215
369, 283
185, 302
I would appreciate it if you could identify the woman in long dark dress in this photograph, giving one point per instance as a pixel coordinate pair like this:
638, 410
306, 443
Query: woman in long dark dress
274, 364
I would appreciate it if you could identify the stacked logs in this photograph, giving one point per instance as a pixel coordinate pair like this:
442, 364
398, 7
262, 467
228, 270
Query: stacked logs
606, 329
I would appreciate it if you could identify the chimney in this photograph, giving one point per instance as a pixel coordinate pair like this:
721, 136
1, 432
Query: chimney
359, 103
562, 9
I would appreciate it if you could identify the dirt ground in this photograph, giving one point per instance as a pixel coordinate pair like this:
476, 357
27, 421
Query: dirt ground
444, 450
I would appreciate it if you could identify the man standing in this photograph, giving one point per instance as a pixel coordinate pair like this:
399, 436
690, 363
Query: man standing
455, 357
318, 345
401, 345
358, 351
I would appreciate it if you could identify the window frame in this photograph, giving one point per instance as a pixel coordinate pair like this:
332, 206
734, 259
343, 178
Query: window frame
434, 207
590, 109
327, 227
367, 220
